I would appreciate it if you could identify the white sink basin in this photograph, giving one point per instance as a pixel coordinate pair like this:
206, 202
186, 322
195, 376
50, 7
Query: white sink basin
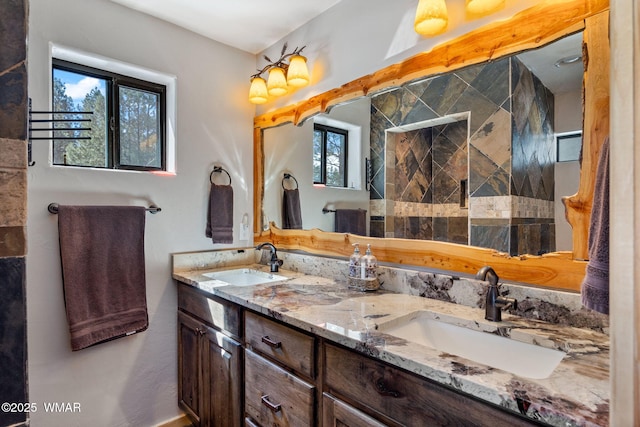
523, 359
243, 277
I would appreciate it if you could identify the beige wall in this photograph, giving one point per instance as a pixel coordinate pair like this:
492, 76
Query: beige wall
130, 381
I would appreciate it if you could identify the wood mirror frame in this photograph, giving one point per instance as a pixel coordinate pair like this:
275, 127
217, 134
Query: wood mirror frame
529, 29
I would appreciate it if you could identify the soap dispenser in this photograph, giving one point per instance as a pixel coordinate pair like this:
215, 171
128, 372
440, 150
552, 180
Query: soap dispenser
369, 265
354, 261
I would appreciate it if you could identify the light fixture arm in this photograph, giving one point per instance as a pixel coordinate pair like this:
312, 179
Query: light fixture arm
280, 62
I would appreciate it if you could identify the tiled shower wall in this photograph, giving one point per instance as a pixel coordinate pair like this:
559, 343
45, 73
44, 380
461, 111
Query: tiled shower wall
13, 205
428, 176
532, 164
504, 214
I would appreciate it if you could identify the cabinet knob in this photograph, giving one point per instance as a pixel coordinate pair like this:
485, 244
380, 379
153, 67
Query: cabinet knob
273, 344
274, 407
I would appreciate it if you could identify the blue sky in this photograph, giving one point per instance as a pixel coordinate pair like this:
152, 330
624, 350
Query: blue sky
78, 85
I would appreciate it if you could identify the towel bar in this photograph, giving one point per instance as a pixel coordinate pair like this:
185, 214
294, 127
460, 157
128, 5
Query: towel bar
53, 208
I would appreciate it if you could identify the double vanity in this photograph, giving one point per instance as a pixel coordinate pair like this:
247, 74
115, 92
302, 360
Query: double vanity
297, 347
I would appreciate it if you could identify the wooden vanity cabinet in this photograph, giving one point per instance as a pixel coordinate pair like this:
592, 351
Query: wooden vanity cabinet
284, 376
400, 398
280, 375
209, 361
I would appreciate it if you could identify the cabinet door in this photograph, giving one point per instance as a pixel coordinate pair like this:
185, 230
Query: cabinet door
338, 414
189, 366
222, 380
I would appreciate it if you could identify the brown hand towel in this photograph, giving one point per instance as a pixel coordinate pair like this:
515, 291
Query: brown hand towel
352, 221
103, 272
595, 285
291, 214
220, 214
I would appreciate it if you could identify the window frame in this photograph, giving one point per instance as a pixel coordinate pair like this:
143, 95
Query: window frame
560, 137
113, 82
324, 129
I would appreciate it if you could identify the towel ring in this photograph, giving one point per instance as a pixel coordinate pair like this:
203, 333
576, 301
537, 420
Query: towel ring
289, 176
218, 169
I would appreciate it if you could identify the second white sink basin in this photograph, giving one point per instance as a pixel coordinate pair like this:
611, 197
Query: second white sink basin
244, 277
523, 359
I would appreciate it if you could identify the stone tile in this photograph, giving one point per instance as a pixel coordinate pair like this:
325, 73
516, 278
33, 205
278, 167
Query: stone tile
493, 80
14, 242
443, 92
13, 199
491, 237
440, 226
13, 103
388, 104
493, 138
458, 231
377, 186
12, 33
444, 187
480, 169
418, 113
481, 106
13, 153
426, 228
421, 145
496, 185
13, 331
523, 96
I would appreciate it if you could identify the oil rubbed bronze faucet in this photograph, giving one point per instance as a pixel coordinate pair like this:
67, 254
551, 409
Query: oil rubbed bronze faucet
274, 263
495, 303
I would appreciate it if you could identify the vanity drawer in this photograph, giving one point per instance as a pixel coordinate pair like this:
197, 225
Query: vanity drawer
216, 312
292, 348
275, 397
405, 398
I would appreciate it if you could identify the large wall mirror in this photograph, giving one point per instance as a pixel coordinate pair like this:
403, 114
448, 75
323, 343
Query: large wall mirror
453, 165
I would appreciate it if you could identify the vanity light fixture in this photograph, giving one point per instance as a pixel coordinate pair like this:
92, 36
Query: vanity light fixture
484, 7
281, 76
431, 17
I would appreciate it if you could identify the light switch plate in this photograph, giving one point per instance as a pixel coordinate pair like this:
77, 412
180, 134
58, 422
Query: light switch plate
244, 231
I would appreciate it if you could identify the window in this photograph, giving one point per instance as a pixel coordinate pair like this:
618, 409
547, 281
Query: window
568, 146
127, 127
330, 155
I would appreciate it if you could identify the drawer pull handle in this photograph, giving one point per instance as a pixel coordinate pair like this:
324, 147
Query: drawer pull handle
382, 389
273, 344
274, 407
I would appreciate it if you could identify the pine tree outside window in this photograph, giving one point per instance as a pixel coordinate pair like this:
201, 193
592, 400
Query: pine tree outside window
127, 124
330, 156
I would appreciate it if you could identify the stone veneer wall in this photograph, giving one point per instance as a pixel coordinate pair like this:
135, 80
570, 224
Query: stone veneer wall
509, 209
13, 206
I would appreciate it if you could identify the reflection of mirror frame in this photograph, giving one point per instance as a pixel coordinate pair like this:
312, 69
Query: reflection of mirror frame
529, 29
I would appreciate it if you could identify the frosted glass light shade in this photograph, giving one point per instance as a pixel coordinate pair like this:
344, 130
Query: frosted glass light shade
484, 7
276, 83
431, 17
298, 74
258, 91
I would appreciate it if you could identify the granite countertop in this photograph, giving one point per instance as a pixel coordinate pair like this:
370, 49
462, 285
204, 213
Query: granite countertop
575, 394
